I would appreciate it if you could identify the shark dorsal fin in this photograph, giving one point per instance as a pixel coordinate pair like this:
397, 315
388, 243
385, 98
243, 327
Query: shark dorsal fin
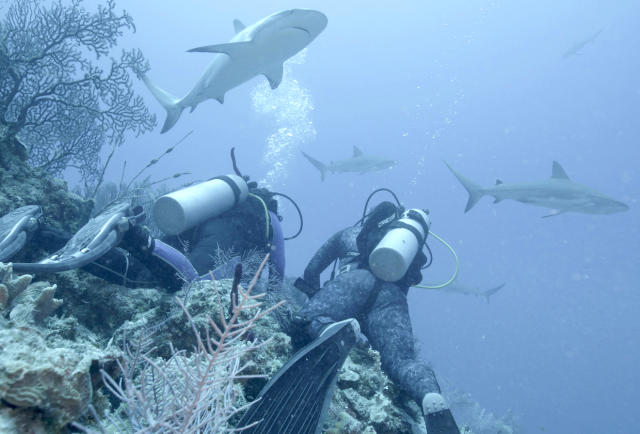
274, 76
356, 151
238, 26
498, 182
558, 172
232, 49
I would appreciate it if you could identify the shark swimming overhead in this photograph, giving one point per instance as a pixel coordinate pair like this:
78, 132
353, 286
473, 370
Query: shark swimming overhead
558, 193
578, 47
358, 163
259, 49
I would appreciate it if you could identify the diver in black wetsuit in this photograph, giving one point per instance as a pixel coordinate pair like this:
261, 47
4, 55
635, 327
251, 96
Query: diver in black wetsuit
251, 226
378, 262
225, 214
379, 306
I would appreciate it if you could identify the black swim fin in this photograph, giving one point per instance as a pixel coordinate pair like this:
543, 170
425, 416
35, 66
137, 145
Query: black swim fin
296, 399
437, 416
441, 422
14, 227
102, 233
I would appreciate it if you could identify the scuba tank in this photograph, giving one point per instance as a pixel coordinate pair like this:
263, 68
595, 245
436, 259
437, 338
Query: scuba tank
392, 256
183, 209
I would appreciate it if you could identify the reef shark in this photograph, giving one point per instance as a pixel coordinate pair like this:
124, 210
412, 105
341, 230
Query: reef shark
460, 288
358, 163
558, 193
577, 48
258, 49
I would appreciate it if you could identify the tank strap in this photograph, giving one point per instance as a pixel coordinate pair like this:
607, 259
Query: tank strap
234, 187
414, 231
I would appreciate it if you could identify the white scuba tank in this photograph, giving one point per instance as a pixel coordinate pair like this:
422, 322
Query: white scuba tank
391, 257
178, 211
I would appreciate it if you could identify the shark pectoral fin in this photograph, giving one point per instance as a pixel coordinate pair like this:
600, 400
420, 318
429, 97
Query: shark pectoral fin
558, 172
274, 76
356, 151
232, 49
238, 26
220, 99
497, 200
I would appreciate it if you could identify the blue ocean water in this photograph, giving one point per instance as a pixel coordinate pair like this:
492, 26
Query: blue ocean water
484, 86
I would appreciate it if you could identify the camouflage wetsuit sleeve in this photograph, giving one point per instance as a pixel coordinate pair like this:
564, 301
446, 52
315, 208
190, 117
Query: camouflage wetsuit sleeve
334, 248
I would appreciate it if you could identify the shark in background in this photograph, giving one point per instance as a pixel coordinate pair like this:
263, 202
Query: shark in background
358, 163
260, 48
463, 289
579, 46
558, 193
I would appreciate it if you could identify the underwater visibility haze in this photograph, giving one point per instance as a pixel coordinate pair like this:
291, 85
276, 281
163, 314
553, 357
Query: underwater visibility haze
436, 100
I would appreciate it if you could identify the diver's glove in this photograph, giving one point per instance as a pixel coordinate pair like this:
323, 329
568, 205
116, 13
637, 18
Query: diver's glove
437, 415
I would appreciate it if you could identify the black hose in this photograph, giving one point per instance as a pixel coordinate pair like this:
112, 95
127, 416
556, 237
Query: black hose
366, 204
430, 260
297, 209
233, 162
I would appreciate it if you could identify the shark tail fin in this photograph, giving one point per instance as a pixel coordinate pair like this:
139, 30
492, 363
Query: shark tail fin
475, 191
168, 101
317, 164
489, 292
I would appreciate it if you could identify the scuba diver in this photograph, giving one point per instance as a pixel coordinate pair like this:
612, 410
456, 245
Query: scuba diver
379, 259
226, 213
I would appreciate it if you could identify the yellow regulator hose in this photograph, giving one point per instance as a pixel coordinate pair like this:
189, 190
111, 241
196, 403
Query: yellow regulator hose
455, 273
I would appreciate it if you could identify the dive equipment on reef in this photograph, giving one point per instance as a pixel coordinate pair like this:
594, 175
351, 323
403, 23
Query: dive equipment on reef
99, 235
14, 227
296, 399
393, 255
183, 209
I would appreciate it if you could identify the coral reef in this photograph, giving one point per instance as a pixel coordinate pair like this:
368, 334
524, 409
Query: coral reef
45, 382
27, 303
56, 339
22, 185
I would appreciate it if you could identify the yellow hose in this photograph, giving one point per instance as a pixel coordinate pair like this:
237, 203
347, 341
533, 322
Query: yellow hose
266, 212
455, 273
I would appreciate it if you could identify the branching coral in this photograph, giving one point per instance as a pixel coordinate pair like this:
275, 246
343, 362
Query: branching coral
190, 393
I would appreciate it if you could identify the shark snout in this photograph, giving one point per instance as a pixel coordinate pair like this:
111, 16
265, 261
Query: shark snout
609, 206
620, 207
314, 22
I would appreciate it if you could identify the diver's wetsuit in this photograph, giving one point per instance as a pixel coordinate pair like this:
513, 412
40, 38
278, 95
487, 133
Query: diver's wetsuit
381, 308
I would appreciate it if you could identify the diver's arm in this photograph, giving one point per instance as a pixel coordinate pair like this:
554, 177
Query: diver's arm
325, 255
